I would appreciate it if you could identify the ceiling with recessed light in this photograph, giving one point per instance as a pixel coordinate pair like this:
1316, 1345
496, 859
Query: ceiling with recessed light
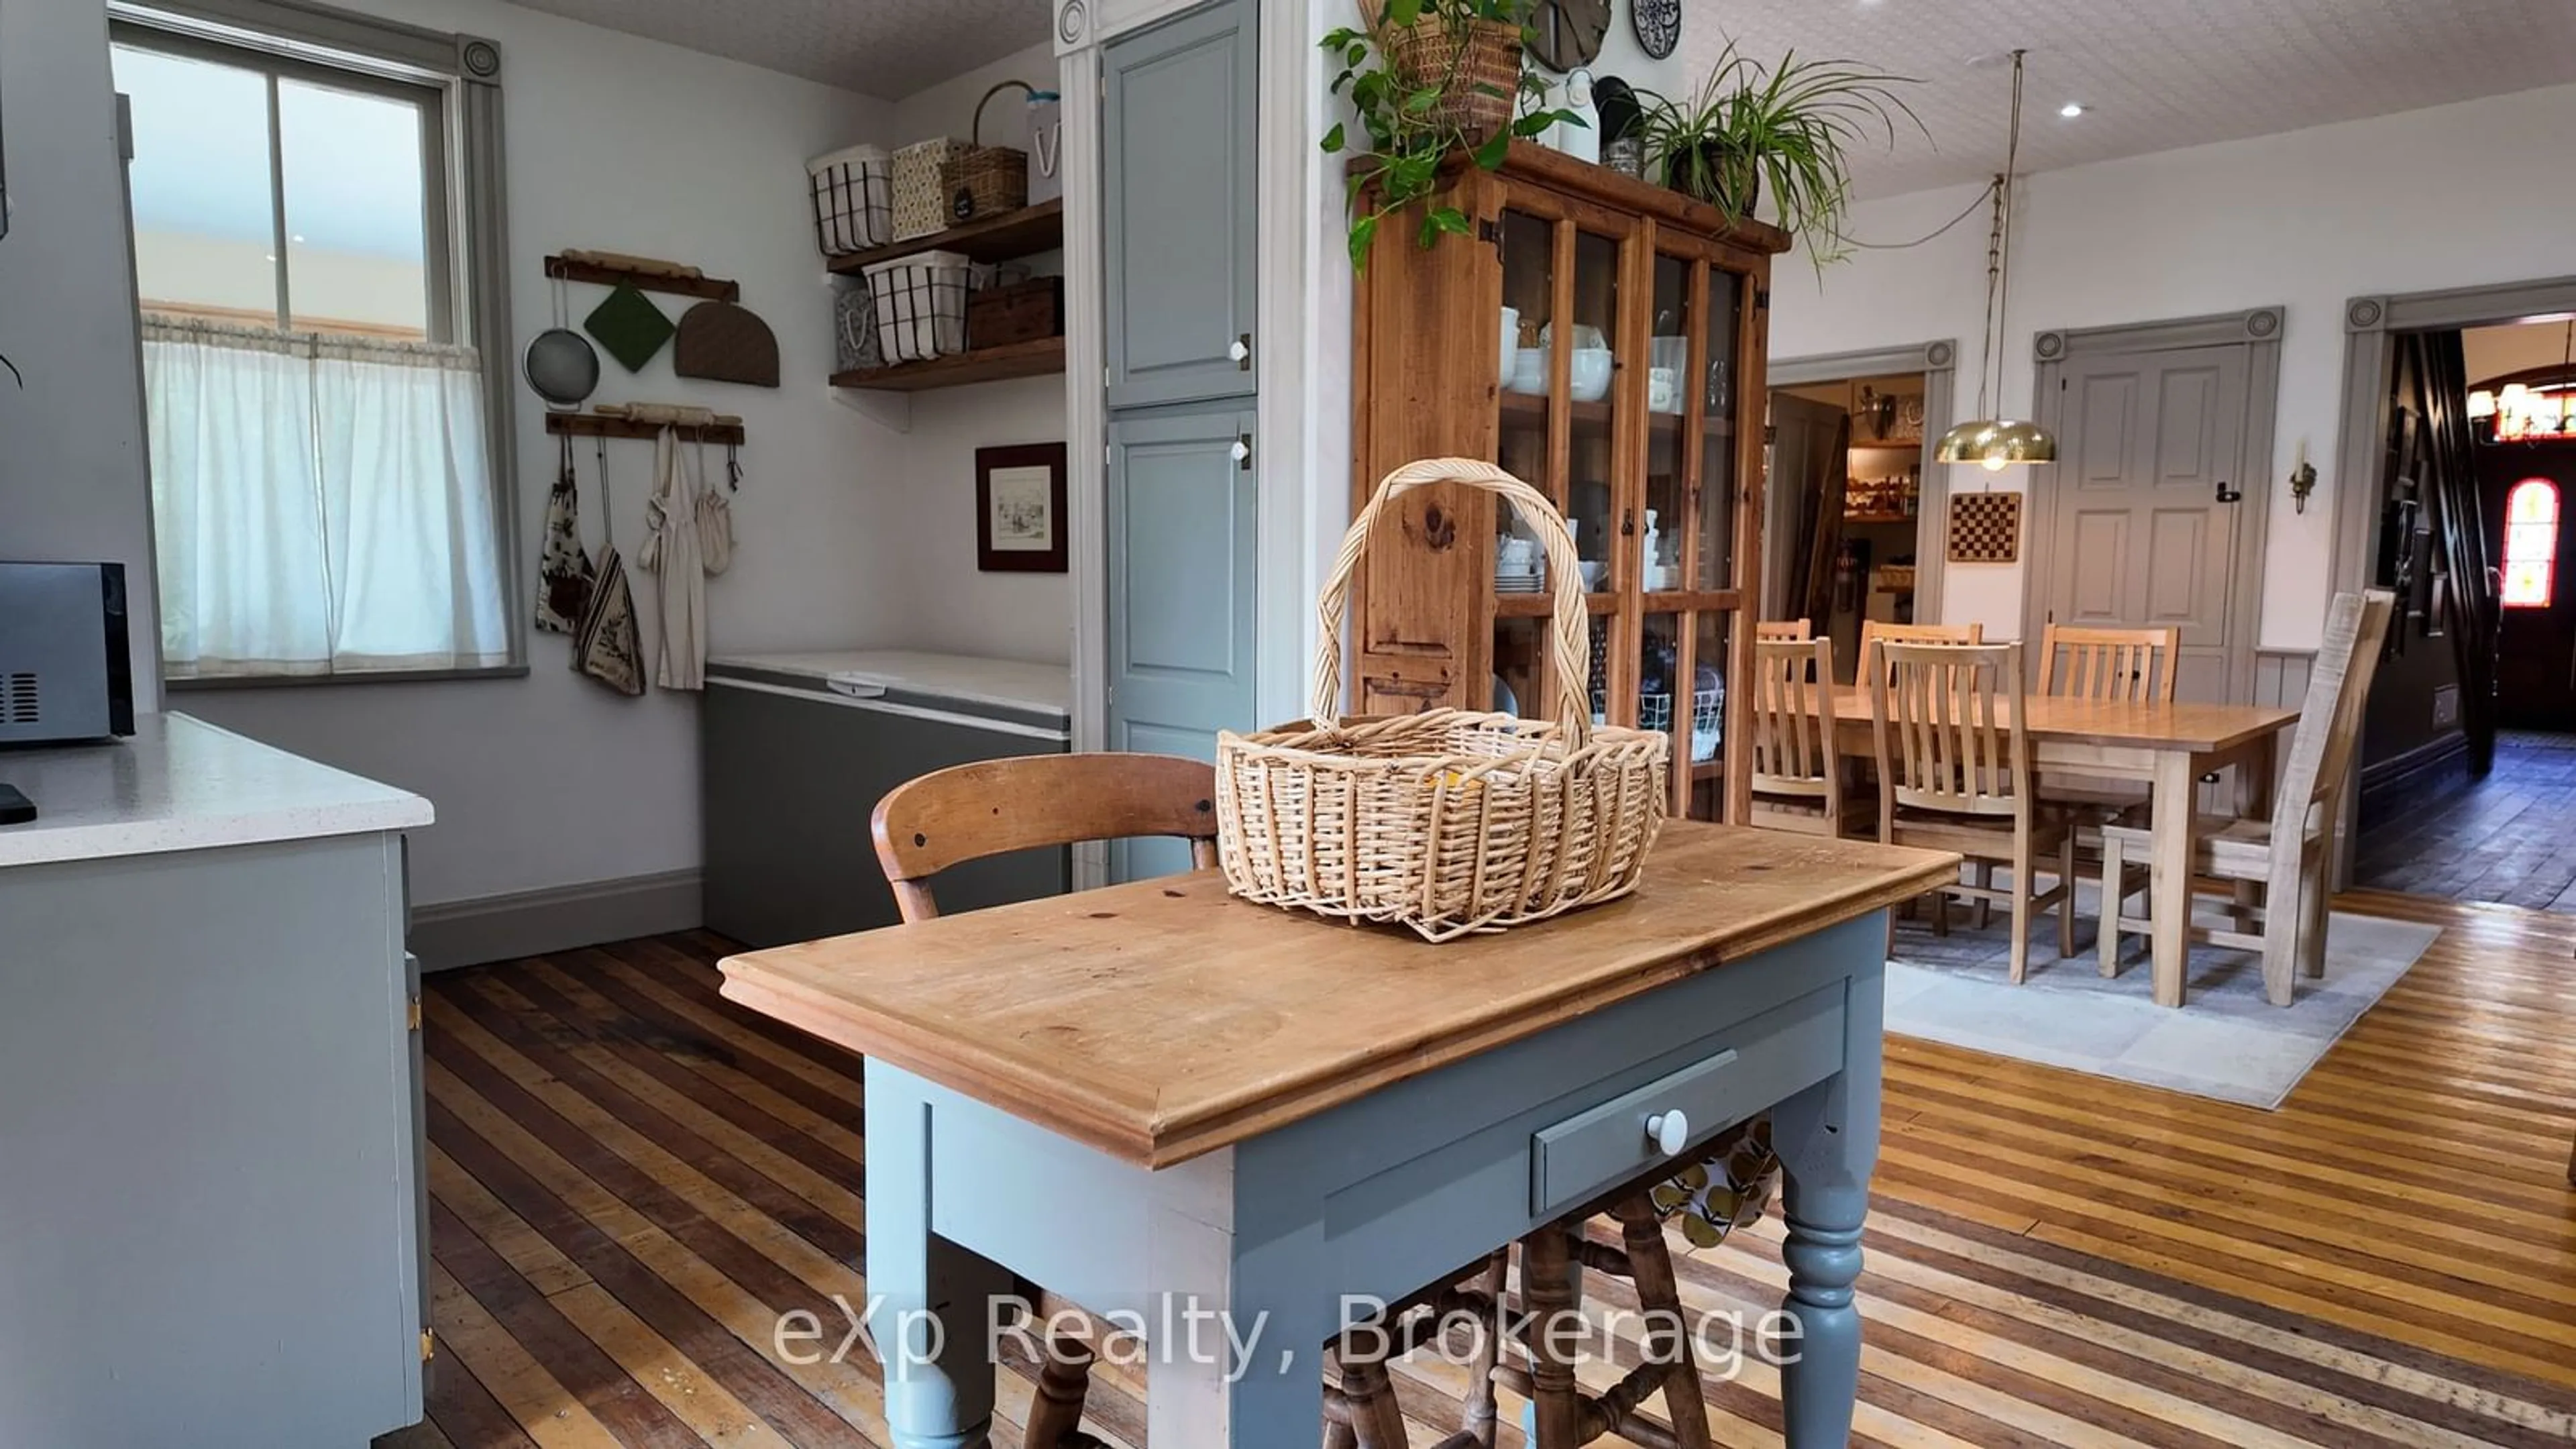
2152, 74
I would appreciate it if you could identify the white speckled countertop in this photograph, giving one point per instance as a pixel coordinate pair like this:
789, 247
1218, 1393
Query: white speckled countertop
182, 784
1006, 682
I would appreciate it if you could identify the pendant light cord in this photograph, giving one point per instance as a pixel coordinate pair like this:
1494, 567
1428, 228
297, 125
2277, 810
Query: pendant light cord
1999, 255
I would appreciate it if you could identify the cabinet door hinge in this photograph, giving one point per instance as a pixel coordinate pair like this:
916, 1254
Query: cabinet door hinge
428, 1344
1761, 298
1489, 231
411, 1012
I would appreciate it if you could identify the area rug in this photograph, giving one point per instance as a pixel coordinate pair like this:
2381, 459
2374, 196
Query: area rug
2229, 1043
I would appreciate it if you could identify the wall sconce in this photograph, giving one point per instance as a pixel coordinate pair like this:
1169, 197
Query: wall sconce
2303, 479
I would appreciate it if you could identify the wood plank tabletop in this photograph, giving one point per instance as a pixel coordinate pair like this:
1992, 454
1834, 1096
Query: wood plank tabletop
2199, 728
1164, 1019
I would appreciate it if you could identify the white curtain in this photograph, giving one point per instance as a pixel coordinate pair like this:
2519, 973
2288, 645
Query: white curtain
320, 504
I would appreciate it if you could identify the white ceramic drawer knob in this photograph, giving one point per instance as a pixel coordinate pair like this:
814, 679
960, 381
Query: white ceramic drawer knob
1240, 351
1670, 1132
1240, 451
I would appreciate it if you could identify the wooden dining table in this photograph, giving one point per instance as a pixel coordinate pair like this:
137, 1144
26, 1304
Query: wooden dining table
2169, 748
1218, 1119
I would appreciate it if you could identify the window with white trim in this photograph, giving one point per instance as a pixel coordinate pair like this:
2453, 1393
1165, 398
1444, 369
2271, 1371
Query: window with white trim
330, 487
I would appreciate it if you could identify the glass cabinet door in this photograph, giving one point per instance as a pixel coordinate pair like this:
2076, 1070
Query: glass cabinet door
1557, 429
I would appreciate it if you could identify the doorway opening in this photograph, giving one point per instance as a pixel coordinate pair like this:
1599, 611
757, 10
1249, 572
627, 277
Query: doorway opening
2468, 756
1853, 496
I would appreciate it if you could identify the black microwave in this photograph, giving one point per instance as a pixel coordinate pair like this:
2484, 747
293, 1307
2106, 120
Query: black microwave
65, 670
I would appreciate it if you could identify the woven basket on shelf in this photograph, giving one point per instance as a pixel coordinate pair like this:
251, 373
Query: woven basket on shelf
982, 180
1475, 63
1449, 821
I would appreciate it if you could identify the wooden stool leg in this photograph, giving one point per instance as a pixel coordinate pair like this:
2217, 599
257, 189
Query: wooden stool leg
1650, 1261
1377, 1421
1476, 1422
1338, 1435
1063, 1382
1547, 1295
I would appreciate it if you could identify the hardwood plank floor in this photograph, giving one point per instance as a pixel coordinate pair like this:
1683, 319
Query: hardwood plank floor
2509, 839
633, 1180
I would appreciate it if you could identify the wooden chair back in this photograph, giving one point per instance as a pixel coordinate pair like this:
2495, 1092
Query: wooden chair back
1778, 631
992, 807
2133, 666
1874, 632
1948, 726
1792, 720
2330, 717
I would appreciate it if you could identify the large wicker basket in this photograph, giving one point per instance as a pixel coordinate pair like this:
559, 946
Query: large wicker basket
983, 180
1449, 821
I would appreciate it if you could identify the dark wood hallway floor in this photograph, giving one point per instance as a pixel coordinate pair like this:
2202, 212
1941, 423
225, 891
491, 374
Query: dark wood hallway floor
2509, 839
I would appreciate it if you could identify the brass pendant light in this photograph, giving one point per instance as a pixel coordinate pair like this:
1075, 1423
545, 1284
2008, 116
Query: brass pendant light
1996, 443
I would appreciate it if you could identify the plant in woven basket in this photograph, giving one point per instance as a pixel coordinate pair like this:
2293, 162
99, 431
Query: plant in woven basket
1792, 126
1429, 80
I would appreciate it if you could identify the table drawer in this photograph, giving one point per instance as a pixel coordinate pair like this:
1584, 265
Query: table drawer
1771, 1057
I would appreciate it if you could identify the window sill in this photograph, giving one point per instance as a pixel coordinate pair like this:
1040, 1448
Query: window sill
212, 683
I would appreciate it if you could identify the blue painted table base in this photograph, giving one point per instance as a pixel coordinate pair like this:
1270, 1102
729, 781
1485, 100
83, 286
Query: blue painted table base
1235, 1262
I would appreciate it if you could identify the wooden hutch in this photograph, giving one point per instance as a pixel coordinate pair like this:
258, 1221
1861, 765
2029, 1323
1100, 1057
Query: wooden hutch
1642, 410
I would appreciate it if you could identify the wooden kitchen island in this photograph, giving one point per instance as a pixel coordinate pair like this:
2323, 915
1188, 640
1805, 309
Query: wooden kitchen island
1157, 1100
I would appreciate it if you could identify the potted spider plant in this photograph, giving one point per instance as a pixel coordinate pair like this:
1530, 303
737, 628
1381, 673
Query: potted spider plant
1790, 127
1429, 80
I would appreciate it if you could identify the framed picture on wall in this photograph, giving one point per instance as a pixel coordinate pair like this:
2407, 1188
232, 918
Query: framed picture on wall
1020, 509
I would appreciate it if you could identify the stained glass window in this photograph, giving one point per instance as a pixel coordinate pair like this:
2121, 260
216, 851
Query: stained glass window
2530, 544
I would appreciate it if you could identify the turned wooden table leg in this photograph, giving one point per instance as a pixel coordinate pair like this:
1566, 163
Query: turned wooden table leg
1547, 1298
1063, 1382
1650, 1263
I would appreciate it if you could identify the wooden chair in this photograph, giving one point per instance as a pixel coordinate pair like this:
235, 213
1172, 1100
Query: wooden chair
1954, 773
1797, 773
1874, 632
2136, 665
968, 812
2287, 856
1782, 631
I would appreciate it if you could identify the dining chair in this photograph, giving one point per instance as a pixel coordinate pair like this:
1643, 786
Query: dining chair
991, 807
1782, 631
2132, 666
1948, 726
2287, 856
1874, 632
1797, 772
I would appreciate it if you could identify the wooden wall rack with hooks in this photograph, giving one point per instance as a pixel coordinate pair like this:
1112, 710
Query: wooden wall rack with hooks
573, 269
595, 425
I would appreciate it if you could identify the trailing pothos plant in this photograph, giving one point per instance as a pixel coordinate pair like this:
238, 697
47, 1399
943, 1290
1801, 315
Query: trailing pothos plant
1409, 129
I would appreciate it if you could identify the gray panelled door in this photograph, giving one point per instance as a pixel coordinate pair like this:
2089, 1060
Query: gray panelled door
1179, 168
2143, 534
1181, 545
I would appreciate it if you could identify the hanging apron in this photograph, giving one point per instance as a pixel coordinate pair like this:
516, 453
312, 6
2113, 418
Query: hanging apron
563, 570
675, 552
606, 646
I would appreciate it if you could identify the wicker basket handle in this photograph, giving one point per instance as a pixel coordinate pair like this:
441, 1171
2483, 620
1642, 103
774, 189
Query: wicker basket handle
1569, 648
975, 137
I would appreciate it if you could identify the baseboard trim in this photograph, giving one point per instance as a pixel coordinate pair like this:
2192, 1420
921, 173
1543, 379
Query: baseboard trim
556, 918
2393, 782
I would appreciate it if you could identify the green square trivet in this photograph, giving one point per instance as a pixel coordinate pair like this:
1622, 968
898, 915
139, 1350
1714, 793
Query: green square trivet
629, 326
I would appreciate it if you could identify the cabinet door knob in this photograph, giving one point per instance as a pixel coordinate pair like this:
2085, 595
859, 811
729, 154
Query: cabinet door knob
1241, 452
1670, 1132
1241, 351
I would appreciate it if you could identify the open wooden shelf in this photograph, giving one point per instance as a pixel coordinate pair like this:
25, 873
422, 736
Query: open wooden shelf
1879, 517
1530, 407
1024, 232
985, 364
1893, 445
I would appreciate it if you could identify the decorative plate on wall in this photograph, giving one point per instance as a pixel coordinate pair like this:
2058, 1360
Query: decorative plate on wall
1569, 32
1658, 24
1985, 528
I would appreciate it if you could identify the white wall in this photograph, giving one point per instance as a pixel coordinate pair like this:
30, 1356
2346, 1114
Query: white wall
2424, 200
71, 444
623, 144
951, 605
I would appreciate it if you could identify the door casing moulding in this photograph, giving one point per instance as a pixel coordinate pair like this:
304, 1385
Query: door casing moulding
1939, 364
2259, 329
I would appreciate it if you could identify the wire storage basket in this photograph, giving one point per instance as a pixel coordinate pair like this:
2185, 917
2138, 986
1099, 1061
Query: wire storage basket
921, 305
853, 199
1449, 821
